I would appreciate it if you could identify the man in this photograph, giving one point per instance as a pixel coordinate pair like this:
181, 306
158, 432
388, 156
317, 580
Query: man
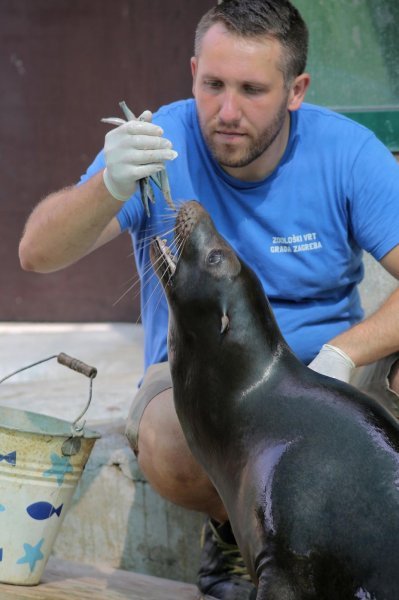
297, 190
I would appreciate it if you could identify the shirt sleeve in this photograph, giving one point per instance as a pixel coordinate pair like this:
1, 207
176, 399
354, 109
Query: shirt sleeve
97, 165
374, 199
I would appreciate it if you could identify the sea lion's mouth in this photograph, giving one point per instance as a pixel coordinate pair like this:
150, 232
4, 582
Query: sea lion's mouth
163, 259
164, 254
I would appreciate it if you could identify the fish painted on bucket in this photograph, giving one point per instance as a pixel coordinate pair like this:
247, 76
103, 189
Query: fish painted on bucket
2, 508
10, 458
43, 510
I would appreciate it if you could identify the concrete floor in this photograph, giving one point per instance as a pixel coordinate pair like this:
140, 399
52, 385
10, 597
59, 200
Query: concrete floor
116, 350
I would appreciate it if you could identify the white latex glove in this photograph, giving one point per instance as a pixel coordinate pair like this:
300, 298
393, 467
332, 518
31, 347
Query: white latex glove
134, 150
333, 362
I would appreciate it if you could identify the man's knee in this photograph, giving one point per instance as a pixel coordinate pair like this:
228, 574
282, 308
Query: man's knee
166, 460
163, 454
156, 380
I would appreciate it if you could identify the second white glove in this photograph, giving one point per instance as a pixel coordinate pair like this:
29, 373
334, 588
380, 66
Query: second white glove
132, 151
333, 362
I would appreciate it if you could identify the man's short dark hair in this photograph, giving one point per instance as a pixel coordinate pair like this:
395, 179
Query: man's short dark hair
277, 19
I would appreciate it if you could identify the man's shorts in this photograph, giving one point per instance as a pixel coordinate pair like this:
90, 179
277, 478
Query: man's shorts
370, 379
156, 380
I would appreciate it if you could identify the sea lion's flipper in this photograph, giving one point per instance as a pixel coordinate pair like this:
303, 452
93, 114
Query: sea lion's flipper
274, 584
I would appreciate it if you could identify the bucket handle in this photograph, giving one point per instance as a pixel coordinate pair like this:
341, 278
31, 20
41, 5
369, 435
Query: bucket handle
72, 445
76, 365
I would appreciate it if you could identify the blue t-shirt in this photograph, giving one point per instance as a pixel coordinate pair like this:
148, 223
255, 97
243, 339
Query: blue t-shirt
302, 229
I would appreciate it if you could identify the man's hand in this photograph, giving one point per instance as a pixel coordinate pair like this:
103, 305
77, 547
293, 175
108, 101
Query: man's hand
134, 150
333, 362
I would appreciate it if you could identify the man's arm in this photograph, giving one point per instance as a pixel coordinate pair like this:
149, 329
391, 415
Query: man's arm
368, 341
378, 335
71, 223
67, 225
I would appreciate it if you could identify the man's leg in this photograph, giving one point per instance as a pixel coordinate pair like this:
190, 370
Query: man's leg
156, 437
162, 451
166, 461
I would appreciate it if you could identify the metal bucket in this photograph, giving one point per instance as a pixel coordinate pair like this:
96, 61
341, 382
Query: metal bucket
41, 461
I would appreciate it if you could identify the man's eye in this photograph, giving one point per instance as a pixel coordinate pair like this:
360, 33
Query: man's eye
249, 89
214, 85
215, 257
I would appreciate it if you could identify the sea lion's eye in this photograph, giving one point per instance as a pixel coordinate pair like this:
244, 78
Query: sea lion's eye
214, 257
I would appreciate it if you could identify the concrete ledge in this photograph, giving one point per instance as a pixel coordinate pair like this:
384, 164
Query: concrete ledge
118, 520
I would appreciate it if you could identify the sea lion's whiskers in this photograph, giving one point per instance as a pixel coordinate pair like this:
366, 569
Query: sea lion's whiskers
148, 239
160, 296
148, 267
177, 203
149, 230
131, 287
156, 266
178, 244
157, 288
167, 215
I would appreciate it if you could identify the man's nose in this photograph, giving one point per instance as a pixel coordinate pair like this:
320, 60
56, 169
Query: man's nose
230, 110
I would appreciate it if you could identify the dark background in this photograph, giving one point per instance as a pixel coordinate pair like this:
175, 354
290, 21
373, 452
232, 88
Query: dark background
64, 64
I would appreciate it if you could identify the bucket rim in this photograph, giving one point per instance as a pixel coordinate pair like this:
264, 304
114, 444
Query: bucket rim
25, 428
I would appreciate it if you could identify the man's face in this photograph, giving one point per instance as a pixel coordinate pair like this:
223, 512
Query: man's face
240, 94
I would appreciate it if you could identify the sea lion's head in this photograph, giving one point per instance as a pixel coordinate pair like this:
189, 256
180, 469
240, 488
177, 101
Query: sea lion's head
212, 295
197, 280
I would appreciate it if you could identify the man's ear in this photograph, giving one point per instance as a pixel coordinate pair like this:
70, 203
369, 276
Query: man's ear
298, 91
194, 64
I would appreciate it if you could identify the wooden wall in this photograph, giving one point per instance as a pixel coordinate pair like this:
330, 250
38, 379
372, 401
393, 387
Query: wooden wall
64, 65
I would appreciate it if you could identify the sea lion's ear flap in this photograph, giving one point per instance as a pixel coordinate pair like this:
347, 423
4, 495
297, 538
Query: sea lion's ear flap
225, 323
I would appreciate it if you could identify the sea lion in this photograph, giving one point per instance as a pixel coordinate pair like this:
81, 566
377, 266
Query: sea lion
307, 466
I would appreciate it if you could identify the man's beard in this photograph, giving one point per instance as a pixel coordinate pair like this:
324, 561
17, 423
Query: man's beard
227, 157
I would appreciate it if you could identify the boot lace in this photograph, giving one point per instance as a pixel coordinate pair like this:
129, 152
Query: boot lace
232, 556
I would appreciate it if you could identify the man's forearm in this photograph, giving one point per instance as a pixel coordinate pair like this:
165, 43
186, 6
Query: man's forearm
66, 225
375, 337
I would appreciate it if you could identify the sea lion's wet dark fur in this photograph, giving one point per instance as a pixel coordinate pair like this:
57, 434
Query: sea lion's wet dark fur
306, 466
